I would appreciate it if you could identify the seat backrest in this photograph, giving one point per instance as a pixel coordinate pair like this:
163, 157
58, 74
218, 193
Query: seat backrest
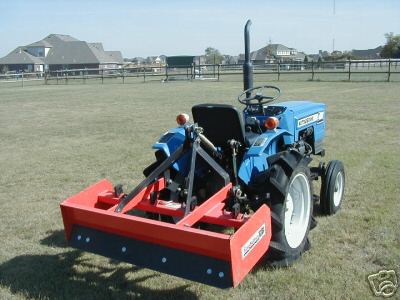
220, 122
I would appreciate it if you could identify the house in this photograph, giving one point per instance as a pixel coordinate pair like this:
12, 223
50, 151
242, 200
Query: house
368, 53
321, 56
314, 57
160, 60
60, 52
200, 60
19, 59
229, 60
337, 53
137, 61
299, 56
272, 53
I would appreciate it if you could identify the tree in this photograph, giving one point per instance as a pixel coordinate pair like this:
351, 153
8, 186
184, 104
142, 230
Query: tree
392, 46
4, 69
305, 59
319, 62
149, 60
228, 59
213, 56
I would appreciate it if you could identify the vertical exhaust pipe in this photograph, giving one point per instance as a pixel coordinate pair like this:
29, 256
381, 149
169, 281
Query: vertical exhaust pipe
247, 66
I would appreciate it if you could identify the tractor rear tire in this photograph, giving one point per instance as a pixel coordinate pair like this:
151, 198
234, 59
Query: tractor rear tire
291, 204
332, 188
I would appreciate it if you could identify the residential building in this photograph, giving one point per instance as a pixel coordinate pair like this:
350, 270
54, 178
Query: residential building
273, 53
368, 53
60, 52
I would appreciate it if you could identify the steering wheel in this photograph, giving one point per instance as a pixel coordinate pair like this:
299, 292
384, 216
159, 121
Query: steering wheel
256, 93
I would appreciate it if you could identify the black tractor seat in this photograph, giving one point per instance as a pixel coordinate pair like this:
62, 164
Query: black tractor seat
222, 122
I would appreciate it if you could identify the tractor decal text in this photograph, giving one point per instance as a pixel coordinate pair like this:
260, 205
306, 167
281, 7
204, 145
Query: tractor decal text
253, 241
319, 116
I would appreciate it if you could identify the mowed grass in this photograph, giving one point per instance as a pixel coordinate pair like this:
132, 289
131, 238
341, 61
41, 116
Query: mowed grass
57, 140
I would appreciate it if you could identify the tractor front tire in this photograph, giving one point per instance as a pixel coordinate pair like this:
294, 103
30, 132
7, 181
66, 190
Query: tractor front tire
332, 188
291, 204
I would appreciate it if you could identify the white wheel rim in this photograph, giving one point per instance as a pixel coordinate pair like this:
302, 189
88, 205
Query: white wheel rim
338, 189
297, 210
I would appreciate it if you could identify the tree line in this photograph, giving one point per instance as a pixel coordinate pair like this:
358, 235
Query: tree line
392, 47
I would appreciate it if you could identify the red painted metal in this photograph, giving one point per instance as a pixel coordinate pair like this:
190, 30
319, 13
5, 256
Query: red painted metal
207, 206
95, 208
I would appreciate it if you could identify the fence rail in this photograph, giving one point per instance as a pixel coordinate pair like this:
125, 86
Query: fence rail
203, 72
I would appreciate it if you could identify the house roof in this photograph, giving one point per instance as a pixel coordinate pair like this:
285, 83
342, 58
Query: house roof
41, 43
99, 53
98, 46
64, 50
266, 52
62, 37
116, 56
278, 47
368, 53
299, 56
74, 52
20, 57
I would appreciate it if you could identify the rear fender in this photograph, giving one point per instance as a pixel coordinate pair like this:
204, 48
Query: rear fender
169, 142
255, 159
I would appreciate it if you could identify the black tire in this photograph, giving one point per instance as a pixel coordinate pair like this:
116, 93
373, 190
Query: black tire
332, 188
284, 169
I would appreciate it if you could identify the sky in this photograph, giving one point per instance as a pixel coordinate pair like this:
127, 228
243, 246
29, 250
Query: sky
176, 27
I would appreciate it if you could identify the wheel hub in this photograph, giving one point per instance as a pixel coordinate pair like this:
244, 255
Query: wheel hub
297, 210
338, 190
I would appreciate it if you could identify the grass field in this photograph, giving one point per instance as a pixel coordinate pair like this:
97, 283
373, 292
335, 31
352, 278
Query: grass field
56, 140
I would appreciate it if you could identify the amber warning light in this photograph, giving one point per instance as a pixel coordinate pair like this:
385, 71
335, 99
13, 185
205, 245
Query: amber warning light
182, 119
271, 123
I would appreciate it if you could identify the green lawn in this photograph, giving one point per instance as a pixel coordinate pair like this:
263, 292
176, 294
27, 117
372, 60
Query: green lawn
56, 140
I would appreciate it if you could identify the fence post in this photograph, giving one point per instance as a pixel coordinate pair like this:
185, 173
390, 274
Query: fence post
57, 76
388, 79
312, 71
123, 75
218, 72
66, 77
144, 74
279, 70
166, 72
349, 69
199, 67
102, 76
22, 77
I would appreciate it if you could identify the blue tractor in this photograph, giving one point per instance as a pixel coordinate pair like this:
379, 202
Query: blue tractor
266, 150
225, 190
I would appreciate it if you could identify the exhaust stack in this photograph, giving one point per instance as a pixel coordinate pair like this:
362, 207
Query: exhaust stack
247, 66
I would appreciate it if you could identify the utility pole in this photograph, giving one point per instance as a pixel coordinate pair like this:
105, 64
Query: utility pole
333, 26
